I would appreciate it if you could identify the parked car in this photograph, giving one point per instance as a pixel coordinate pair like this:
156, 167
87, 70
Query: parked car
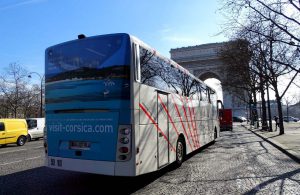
243, 118
237, 119
35, 128
13, 131
290, 119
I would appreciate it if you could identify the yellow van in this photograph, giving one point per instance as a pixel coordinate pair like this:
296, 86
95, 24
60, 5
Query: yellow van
13, 131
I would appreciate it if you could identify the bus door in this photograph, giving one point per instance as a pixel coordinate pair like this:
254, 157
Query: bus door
163, 133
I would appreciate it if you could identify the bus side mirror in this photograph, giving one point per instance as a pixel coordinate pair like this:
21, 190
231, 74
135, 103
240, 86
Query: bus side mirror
219, 102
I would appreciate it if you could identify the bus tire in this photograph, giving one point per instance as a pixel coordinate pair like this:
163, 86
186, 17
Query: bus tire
21, 140
180, 151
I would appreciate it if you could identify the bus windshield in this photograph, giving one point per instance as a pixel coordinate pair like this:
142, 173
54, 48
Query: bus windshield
87, 70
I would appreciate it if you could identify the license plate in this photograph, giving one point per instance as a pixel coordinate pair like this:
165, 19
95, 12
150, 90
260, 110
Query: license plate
80, 145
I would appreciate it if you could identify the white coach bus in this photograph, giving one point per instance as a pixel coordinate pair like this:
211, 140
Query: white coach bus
115, 106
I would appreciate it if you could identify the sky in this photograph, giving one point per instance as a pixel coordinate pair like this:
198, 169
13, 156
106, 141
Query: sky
28, 27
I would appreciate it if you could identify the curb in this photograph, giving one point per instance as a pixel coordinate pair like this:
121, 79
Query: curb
277, 145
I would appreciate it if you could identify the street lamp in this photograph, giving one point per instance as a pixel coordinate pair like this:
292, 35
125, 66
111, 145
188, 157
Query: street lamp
41, 78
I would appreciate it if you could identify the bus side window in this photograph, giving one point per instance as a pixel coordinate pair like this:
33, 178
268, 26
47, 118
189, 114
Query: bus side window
2, 128
199, 91
193, 92
153, 70
203, 93
208, 95
147, 66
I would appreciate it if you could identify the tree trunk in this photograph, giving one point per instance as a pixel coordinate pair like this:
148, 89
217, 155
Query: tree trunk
254, 110
264, 124
15, 112
269, 110
279, 107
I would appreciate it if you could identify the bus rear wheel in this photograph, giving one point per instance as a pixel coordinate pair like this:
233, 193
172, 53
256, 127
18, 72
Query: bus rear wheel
180, 153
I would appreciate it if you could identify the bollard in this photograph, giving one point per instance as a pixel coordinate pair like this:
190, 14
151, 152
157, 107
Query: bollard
255, 124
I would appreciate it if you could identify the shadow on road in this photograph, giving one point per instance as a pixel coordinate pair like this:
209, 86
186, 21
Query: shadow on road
281, 177
44, 180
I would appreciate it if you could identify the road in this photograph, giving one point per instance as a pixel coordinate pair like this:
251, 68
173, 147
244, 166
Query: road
15, 159
238, 163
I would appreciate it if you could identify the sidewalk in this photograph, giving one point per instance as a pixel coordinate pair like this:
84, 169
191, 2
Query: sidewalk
289, 143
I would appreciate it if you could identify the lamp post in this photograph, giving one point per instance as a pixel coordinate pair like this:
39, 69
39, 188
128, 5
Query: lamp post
41, 78
269, 109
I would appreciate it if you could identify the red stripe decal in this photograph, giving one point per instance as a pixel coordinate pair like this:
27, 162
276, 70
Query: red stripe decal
187, 120
195, 124
191, 116
192, 123
165, 108
182, 122
157, 127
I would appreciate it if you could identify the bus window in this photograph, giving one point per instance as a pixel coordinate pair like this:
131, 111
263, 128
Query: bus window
204, 96
153, 70
208, 95
136, 56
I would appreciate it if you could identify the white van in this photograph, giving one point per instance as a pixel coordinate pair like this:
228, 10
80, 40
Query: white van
35, 128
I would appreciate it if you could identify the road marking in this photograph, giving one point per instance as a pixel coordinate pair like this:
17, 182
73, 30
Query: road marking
33, 158
12, 151
13, 162
38, 147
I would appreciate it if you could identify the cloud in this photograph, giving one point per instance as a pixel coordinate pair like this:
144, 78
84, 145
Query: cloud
18, 4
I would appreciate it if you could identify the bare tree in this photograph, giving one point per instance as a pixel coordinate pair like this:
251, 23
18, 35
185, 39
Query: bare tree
273, 34
31, 101
3, 107
12, 86
236, 56
282, 15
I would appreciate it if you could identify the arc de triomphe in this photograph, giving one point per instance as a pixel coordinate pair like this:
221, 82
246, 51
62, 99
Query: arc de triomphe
204, 63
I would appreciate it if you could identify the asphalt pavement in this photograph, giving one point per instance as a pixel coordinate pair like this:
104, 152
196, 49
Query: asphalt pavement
15, 158
239, 162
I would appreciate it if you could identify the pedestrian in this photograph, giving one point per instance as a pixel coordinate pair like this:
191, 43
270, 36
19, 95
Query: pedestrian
276, 118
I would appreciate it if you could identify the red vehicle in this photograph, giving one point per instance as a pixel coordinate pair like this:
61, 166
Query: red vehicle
225, 118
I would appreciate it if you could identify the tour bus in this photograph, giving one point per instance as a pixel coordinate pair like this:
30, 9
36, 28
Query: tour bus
115, 106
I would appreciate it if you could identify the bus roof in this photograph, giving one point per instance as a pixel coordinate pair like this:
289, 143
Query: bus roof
91, 37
